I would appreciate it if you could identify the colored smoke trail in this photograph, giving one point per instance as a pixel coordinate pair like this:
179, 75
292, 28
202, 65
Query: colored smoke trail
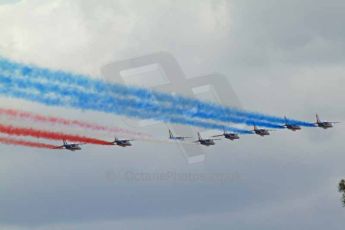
177, 104
22, 88
144, 105
56, 120
19, 131
39, 92
12, 141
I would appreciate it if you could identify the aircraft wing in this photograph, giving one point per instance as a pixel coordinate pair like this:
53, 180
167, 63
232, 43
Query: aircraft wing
59, 147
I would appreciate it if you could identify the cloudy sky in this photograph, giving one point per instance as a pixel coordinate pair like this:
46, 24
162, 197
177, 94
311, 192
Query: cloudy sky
280, 57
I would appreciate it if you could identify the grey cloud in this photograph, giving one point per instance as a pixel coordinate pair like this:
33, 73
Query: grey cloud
280, 57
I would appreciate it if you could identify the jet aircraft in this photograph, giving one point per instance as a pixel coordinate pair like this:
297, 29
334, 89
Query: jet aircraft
71, 147
172, 137
122, 143
230, 136
291, 126
324, 124
261, 132
206, 142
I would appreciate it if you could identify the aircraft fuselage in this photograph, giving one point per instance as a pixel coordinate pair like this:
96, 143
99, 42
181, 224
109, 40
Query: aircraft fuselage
325, 125
207, 142
123, 143
293, 127
72, 147
231, 136
177, 138
262, 132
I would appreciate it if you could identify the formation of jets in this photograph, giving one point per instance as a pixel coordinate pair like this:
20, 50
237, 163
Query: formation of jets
207, 141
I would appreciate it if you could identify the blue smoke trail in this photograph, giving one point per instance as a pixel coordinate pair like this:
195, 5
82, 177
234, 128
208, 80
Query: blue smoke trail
137, 104
195, 108
148, 104
22, 89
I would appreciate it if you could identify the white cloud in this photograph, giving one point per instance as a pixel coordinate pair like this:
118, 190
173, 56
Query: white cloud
84, 35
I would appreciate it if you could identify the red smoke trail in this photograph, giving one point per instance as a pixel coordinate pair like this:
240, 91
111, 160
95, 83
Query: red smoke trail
17, 131
10, 141
62, 121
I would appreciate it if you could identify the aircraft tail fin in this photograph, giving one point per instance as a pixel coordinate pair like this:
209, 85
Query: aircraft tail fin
64, 142
317, 119
171, 134
199, 136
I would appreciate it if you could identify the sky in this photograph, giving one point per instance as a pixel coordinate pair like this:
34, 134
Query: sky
280, 58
